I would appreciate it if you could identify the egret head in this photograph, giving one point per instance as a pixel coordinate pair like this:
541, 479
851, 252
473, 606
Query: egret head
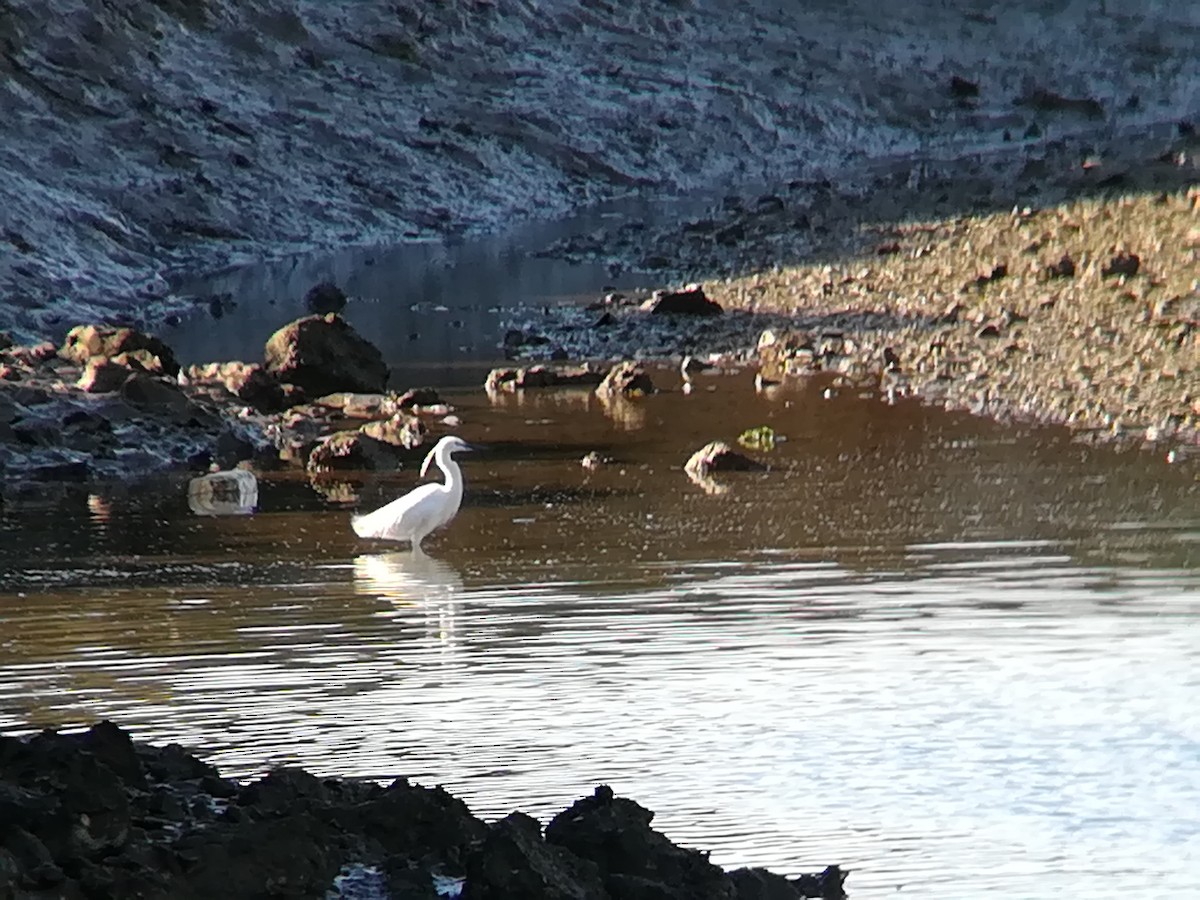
445, 448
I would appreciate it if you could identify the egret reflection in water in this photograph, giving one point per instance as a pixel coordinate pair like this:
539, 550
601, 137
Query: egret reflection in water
410, 579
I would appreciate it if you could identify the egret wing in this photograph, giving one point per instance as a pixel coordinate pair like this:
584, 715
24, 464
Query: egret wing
415, 514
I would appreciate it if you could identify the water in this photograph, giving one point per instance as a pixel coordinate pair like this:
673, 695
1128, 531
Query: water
953, 657
433, 308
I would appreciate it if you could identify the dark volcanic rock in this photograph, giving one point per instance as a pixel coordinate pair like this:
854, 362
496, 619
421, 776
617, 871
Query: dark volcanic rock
87, 341
324, 355
96, 815
514, 861
419, 822
638, 862
759, 884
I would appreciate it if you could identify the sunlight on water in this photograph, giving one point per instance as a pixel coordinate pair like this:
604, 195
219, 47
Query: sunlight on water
988, 687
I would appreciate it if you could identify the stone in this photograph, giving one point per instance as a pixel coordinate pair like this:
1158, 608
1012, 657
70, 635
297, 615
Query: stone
962, 89
324, 355
422, 396
690, 301
514, 861
84, 342
102, 376
1122, 264
718, 456
151, 394
1064, 268
325, 297
626, 378
32, 355
400, 431
614, 834
543, 376
254, 385
350, 450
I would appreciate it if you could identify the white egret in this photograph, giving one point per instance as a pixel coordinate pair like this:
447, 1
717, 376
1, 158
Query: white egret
424, 509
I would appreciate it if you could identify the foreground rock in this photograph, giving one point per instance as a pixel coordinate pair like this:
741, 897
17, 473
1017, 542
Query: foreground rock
95, 814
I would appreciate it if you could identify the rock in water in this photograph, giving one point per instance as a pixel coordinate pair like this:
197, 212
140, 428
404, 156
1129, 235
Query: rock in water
625, 378
324, 355
718, 456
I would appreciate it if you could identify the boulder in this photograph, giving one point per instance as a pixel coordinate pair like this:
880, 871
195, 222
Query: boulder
543, 376
614, 833
514, 861
718, 456
690, 301
87, 341
102, 376
350, 450
32, 355
249, 382
324, 355
360, 406
625, 378
325, 297
400, 431
422, 396
150, 394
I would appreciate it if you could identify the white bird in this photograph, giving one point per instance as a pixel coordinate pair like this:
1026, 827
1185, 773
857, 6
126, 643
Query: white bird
424, 509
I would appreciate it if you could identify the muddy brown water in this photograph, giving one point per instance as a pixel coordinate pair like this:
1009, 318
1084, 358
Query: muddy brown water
953, 656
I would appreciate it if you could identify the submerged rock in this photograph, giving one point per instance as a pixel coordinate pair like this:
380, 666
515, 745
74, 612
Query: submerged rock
324, 355
542, 376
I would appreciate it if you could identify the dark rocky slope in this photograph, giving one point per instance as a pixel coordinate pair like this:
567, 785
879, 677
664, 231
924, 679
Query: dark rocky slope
97, 815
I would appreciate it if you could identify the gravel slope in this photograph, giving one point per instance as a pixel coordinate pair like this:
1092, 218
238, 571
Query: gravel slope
146, 138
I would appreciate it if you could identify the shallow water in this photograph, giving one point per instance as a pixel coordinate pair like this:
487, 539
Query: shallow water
435, 309
950, 656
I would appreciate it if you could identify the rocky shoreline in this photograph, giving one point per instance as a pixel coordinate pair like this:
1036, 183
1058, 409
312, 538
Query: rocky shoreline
948, 209
96, 814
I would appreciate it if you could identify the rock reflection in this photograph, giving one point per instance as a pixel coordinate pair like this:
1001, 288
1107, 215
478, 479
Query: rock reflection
627, 414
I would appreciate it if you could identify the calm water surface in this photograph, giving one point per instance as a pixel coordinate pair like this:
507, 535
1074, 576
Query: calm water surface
953, 657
